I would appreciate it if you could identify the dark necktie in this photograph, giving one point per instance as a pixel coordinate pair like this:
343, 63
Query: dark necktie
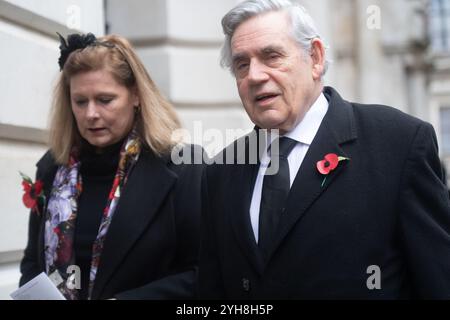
274, 194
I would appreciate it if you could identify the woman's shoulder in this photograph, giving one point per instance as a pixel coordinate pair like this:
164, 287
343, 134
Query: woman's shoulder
46, 165
46, 160
180, 154
186, 159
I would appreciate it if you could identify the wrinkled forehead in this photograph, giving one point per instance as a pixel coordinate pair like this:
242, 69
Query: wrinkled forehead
271, 29
270, 24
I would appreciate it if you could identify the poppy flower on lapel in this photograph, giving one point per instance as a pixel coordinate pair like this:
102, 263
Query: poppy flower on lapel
328, 164
34, 192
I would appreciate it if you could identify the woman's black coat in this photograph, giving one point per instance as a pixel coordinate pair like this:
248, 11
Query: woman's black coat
151, 248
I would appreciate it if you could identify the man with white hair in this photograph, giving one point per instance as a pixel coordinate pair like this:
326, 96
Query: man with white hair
357, 209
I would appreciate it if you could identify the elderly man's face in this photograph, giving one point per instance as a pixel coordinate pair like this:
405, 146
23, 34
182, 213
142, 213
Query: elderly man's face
277, 81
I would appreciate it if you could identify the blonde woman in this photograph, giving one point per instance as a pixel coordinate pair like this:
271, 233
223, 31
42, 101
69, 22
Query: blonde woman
115, 206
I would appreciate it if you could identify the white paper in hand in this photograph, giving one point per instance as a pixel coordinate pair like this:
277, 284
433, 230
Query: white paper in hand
39, 288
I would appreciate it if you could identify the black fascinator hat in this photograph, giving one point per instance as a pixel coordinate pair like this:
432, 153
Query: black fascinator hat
74, 42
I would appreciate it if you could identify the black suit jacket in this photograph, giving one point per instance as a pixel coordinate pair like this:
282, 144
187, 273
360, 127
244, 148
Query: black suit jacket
387, 207
151, 249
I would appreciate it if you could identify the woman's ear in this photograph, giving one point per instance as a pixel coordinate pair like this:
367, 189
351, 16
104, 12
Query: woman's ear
318, 58
135, 96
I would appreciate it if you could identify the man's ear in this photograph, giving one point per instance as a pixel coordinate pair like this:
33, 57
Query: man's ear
318, 58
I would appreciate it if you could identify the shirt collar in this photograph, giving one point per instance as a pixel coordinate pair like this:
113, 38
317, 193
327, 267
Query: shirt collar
307, 129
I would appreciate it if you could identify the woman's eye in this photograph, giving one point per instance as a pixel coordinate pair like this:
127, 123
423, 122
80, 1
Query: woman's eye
105, 100
80, 102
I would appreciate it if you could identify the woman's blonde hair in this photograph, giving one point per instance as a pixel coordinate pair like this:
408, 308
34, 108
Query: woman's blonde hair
156, 120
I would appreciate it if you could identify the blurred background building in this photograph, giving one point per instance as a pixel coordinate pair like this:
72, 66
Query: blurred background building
393, 52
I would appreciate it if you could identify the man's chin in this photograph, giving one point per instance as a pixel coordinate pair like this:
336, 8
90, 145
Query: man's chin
273, 124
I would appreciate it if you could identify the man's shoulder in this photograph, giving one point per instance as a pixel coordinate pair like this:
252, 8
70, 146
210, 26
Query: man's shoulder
186, 157
386, 120
240, 153
378, 112
374, 124
379, 115
237, 151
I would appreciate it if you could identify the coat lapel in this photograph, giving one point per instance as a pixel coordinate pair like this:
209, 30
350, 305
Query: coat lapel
336, 129
243, 181
147, 187
48, 167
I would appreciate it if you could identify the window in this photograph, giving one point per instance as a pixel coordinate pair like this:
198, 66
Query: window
440, 25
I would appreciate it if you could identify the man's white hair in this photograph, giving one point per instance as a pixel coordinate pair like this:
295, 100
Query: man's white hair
303, 27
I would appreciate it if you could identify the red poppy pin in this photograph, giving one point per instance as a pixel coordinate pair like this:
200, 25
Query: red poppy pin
328, 164
33, 193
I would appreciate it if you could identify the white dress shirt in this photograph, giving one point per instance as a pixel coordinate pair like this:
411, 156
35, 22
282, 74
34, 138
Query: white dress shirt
304, 134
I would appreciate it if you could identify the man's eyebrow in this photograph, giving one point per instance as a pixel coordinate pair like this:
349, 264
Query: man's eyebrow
271, 49
266, 50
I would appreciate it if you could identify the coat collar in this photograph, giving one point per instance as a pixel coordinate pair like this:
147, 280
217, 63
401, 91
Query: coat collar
47, 165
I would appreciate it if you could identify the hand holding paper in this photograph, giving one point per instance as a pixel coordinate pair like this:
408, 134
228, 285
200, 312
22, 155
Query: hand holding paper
39, 288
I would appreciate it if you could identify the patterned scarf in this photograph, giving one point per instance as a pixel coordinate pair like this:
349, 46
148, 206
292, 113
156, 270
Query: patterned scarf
61, 216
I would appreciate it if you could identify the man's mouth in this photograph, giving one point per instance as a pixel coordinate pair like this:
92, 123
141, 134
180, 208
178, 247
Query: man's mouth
265, 97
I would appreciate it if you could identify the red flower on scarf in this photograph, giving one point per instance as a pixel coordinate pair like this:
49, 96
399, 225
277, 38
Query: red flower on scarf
328, 164
34, 192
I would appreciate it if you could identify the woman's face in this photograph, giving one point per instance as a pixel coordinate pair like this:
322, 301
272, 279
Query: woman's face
103, 108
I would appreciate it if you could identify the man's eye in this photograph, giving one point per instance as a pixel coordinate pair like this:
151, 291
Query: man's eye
242, 66
273, 56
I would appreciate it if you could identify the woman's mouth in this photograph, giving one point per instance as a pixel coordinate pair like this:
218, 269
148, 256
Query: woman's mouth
96, 130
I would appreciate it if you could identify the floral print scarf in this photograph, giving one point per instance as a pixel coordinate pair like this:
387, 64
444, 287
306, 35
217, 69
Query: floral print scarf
61, 216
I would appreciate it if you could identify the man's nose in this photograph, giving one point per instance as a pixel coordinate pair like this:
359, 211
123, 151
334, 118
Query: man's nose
257, 72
